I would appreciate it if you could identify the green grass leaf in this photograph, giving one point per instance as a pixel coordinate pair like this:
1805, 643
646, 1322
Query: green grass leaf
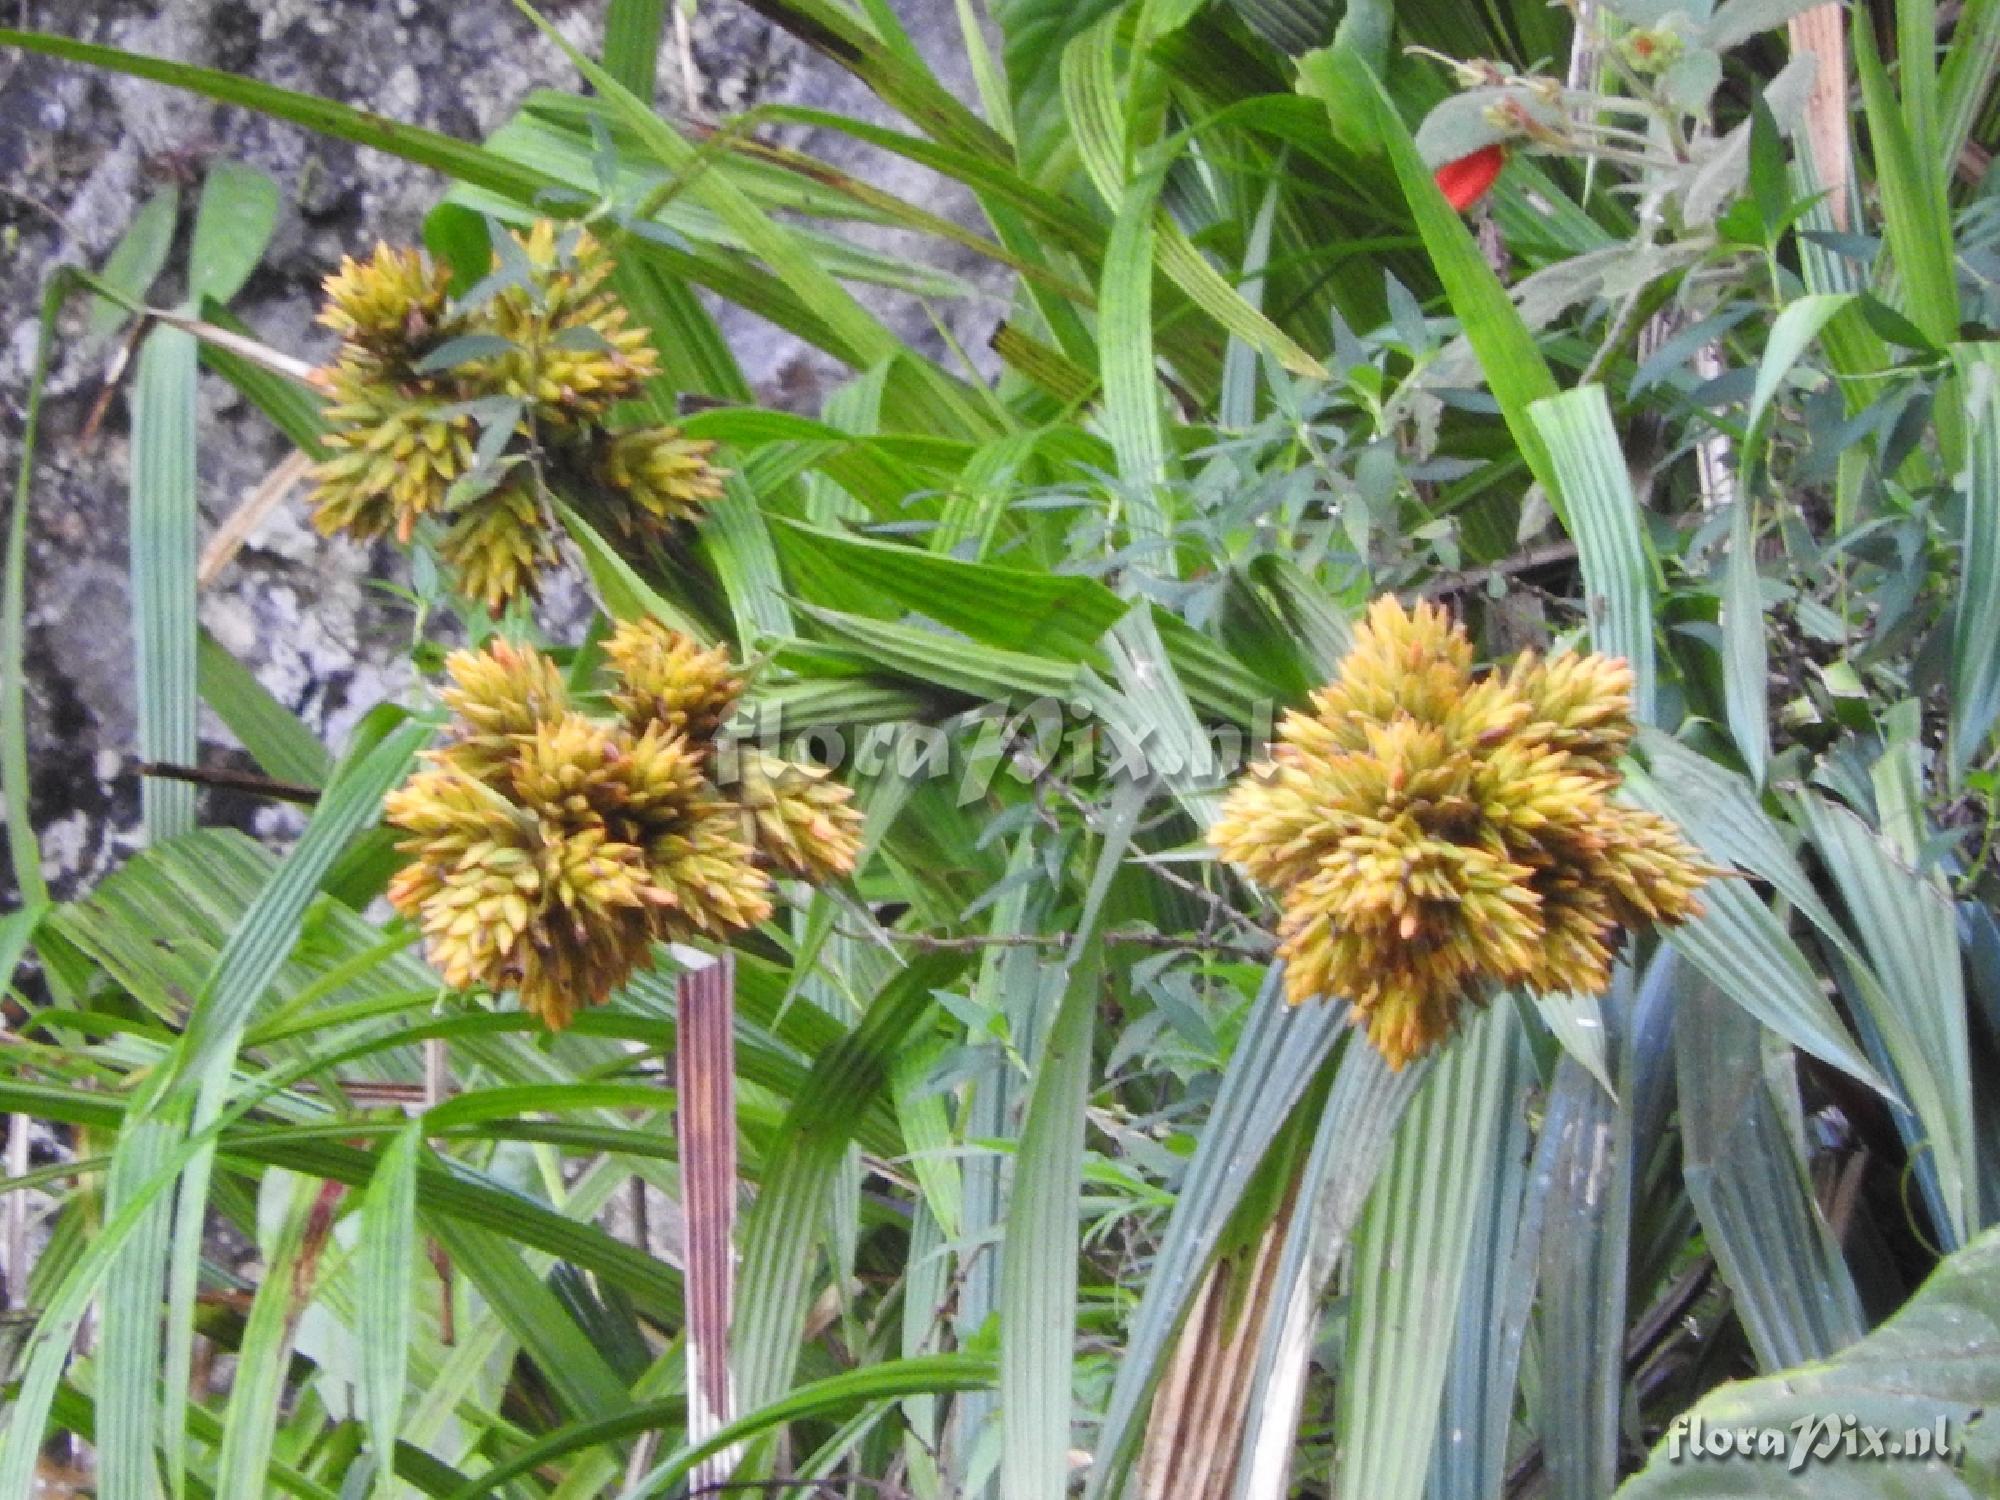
1603, 516
1914, 998
136, 261
1746, 952
386, 1280
1585, 1151
890, 1381
24, 854
272, 733
1916, 211
1975, 633
454, 158
773, 1290
1410, 1255
761, 235
232, 225
933, 658
1745, 657
1475, 1424
1132, 417
257, 1390
1038, 1275
163, 548
1747, 1180
620, 589
1971, 61
632, 32
1042, 614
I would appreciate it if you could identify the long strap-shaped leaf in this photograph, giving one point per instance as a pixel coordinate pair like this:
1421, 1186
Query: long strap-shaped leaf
892, 1380
775, 1290
1749, 1187
163, 547
1910, 1001
1603, 517
305, 1215
1975, 636
1101, 124
762, 235
1350, 1144
1280, 1050
387, 1259
457, 159
1475, 1419
249, 961
1587, 1154
1911, 177
1971, 61
1410, 1255
1039, 1254
23, 853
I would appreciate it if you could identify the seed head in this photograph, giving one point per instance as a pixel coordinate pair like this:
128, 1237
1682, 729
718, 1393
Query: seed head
412, 436
552, 848
1431, 833
804, 821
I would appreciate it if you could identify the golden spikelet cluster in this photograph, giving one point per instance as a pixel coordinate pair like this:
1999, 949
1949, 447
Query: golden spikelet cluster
546, 355
552, 847
1431, 831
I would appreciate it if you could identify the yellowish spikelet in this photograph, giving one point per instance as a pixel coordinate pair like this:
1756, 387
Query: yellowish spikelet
576, 353
803, 820
390, 302
665, 676
1431, 833
393, 452
666, 477
498, 544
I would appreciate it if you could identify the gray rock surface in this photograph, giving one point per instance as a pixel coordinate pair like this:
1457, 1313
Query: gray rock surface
81, 150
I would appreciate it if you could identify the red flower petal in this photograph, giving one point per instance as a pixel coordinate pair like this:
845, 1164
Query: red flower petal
1465, 181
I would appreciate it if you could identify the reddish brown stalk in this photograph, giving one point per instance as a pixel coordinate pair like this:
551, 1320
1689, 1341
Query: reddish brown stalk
705, 1073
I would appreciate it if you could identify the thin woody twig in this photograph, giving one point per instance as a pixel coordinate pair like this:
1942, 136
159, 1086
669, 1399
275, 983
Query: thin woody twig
232, 781
1466, 581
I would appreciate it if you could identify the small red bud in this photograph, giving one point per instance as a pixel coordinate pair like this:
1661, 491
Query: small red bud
1465, 181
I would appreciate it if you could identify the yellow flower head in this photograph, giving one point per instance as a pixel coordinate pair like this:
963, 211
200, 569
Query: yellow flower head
551, 848
1431, 832
474, 415
498, 543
